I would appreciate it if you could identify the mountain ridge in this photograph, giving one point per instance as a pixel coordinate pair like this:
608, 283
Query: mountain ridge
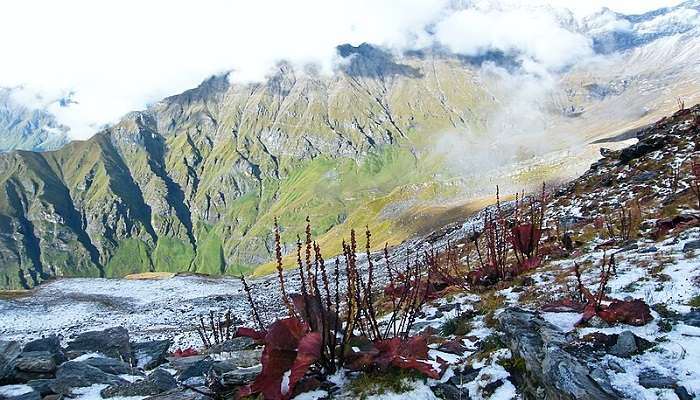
193, 182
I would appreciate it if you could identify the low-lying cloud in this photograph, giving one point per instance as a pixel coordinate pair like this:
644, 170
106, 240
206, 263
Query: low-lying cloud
91, 62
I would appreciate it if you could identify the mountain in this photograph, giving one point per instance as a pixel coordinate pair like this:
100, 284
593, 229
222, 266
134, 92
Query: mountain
402, 143
22, 128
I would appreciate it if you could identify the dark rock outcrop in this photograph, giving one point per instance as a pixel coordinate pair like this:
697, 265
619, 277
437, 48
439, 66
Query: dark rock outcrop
149, 355
74, 374
110, 366
159, 381
551, 372
9, 350
112, 342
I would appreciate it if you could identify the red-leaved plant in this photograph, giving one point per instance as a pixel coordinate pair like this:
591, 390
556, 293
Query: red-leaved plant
632, 312
328, 328
290, 349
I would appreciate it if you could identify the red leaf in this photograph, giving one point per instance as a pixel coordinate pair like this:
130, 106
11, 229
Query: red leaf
360, 353
251, 333
453, 347
289, 351
525, 237
411, 353
188, 352
633, 312
308, 353
424, 367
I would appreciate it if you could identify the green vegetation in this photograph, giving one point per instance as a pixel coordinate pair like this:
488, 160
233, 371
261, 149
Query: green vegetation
375, 384
131, 257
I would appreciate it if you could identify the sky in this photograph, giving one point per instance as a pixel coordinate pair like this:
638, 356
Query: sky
111, 57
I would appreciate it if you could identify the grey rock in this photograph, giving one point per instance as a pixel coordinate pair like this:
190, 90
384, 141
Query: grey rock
110, 365
438, 314
151, 354
182, 363
615, 366
465, 376
51, 344
450, 392
9, 350
691, 245
235, 344
692, 318
36, 361
682, 393
159, 381
650, 249
240, 376
653, 379
625, 346
74, 374
113, 342
43, 386
597, 322
197, 370
559, 374
447, 307
179, 394
18, 392
243, 358
491, 388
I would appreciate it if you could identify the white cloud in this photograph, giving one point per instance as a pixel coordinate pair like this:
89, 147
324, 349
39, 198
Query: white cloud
533, 34
118, 56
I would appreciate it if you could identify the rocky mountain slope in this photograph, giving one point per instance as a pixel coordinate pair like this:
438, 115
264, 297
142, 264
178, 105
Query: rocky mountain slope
24, 129
521, 337
403, 143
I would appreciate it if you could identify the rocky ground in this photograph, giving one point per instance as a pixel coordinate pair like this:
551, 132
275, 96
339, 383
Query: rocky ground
517, 339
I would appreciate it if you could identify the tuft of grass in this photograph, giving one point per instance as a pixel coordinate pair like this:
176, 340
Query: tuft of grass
695, 301
459, 326
378, 383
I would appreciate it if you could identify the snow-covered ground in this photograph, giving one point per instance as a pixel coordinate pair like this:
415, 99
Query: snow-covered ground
167, 308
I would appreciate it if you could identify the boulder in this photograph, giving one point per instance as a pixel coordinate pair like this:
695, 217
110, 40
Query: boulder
692, 245
43, 386
151, 354
692, 318
18, 392
231, 345
243, 358
182, 363
625, 346
550, 368
110, 366
465, 376
180, 394
34, 365
74, 374
9, 350
195, 374
112, 342
240, 376
159, 381
652, 379
641, 148
51, 344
